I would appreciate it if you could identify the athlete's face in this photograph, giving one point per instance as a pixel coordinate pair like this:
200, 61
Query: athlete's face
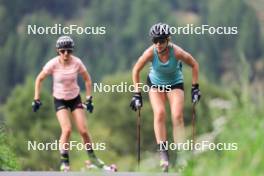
160, 44
65, 54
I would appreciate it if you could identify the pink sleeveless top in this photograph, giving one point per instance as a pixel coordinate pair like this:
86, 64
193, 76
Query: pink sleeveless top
65, 84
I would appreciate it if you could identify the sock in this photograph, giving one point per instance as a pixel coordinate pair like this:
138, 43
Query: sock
90, 153
164, 154
65, 157
94, 159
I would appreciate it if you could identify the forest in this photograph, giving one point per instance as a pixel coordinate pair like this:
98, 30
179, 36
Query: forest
231, 80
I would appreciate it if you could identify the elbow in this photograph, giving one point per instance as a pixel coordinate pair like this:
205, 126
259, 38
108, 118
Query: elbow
38, 80
135, 71
88, 82
87, 79
195, 65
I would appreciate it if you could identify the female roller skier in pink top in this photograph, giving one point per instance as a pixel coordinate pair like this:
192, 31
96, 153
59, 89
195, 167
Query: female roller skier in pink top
64, 69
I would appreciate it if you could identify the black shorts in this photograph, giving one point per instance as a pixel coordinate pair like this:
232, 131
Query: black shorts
165, 87
68, 104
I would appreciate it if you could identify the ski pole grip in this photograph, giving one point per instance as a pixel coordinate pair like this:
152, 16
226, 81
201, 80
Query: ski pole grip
137, 103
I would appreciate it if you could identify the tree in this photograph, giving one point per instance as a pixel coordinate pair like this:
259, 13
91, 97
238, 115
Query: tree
23, 126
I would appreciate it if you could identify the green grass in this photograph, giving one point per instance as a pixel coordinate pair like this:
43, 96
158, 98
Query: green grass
8, 160
244, 127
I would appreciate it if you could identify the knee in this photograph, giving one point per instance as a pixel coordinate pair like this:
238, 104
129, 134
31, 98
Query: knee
66, 131
177, 119
83, 132
160, 115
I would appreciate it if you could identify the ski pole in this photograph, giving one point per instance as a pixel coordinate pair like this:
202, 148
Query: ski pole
138, 138
138, 134
193, 122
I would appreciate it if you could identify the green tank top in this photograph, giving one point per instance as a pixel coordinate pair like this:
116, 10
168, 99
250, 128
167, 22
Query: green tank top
168, 73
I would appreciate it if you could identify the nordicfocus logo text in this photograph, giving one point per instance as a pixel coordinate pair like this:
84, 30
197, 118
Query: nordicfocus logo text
59, 29
123, 87
55, 145
200, 30
199, 146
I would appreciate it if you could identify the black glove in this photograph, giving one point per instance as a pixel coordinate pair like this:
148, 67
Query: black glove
36, 105
89, 104
196, 94
136, 102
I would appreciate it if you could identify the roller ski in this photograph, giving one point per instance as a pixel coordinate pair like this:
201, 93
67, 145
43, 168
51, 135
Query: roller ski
64, 167
100, 165
164, 165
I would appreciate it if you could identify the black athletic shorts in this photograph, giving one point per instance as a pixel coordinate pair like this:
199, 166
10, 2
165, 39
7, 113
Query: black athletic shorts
68, 104
167, 87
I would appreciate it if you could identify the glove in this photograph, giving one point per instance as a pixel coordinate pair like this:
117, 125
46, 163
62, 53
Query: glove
136, 102
89, 104
196, 94
36, 105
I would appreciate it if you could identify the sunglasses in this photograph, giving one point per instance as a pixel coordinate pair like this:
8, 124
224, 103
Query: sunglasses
159, 40
64, 50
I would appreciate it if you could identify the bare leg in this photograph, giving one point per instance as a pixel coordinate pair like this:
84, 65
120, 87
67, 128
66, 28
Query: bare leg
176, 99
65, 124
157, 100
80, 120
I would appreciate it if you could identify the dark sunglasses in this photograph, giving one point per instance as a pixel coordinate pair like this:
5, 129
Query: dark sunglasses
64, 50
159, 40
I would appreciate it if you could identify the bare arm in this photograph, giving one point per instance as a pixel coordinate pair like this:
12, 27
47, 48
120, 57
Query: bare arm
189, 60
38, 83
88, 83
142, 60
